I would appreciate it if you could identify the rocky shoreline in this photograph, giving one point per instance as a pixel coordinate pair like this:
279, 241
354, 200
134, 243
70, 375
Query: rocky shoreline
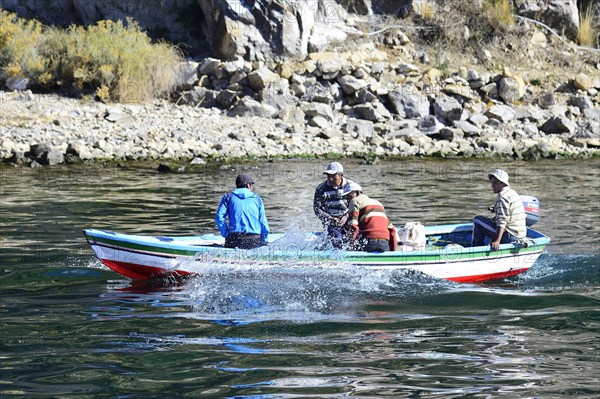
357, 104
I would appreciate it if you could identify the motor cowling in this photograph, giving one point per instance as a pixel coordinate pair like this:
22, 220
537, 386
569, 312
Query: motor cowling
532, 209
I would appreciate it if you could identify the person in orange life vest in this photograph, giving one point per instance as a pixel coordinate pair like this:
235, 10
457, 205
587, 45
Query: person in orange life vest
369, 222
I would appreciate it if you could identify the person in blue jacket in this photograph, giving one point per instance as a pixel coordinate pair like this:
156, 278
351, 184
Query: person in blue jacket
245, 211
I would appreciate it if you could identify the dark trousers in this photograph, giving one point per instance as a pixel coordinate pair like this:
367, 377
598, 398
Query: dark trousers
243, 240
336, 236
372, 244
485, 227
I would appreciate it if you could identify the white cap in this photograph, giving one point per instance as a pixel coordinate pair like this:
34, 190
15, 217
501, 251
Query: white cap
350, 187
501, 175
333, 168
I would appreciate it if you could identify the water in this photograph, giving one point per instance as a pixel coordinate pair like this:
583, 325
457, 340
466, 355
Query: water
71, 328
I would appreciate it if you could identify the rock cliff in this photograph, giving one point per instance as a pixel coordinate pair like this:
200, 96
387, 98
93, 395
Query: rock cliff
262, 29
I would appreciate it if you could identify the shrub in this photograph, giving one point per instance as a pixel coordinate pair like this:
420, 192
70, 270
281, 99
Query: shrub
114, 60
586, 34
20, 41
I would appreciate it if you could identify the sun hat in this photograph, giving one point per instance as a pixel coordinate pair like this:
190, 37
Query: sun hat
333, 168
501, 175
242, 179
350, 187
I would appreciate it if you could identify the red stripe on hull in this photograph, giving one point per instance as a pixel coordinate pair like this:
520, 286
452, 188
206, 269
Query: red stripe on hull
486, 277
141, 272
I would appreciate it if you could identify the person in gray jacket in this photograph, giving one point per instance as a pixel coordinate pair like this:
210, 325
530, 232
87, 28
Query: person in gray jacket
509, 223
329, 204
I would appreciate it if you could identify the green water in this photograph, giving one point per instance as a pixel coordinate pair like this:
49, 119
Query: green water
71, 328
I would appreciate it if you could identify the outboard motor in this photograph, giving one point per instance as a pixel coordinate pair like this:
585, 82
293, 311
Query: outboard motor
532, 209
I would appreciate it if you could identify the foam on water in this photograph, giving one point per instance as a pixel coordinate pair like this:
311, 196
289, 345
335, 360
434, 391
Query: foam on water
251, 292
559, 271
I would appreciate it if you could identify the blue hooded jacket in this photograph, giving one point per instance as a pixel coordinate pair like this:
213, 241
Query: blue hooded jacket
246, 213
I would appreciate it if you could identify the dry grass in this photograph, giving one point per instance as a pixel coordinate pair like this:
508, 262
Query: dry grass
426, 10
587, 33
446, 26
116, 61
500, 13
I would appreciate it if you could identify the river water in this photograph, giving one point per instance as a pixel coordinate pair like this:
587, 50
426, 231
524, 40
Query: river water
71, 328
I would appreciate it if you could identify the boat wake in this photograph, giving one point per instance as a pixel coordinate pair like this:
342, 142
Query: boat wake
249, 293
326, 289
562, 271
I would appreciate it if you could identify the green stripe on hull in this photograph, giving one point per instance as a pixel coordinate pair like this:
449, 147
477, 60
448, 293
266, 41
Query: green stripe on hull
144, 248
441, 256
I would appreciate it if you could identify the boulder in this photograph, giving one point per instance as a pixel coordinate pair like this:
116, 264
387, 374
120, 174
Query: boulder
249, 107
17, 83
199, 96
561, 15
318, 109
189, 74
327, 93
496, 145
511, 89
538, 39
462, 91
319, 122
582, 102
447, 107
327, 62
584, 82
277, 95
227, 98
359, 128
408, 102
490, 90
558, 124
408, 69
80, 150
484, 54
209, 66
467, 128
324, 33
429, 125
592, 113
374, 111
361, 96
501, 113
478, 119
350, 84
547, 100
45, 154
117, 115
449, 134
261, 78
